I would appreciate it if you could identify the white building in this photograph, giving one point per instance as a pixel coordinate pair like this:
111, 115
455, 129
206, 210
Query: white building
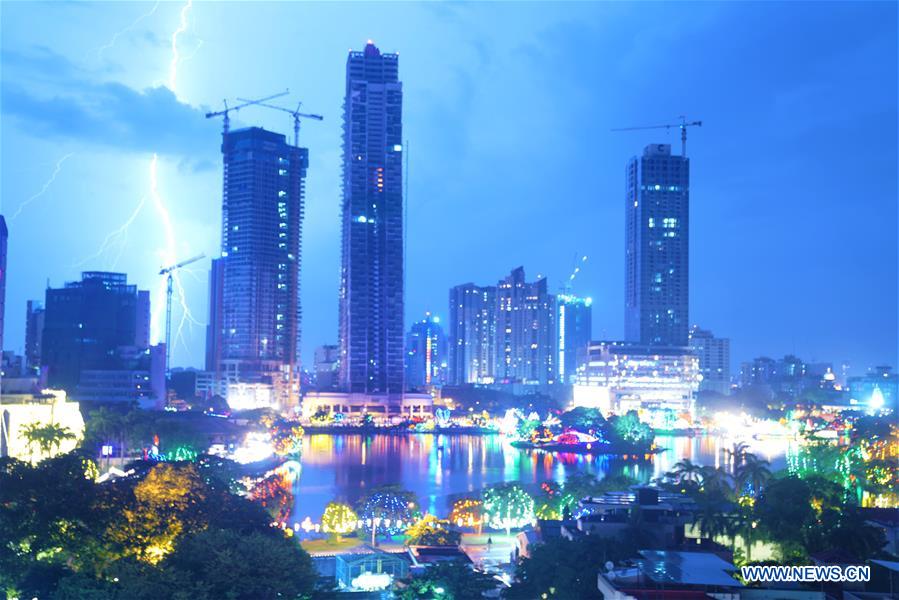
17, 411
382, 407
620, 376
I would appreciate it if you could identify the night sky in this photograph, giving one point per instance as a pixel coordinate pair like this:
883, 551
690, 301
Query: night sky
507, 112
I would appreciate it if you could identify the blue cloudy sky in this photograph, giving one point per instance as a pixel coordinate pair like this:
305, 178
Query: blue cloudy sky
508, 110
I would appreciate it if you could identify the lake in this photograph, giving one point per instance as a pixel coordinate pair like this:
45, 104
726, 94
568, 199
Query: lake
440, 468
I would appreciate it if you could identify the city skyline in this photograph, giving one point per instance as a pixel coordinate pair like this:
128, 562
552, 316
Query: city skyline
751, 248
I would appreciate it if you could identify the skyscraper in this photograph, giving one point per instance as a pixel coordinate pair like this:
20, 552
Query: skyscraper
574, 325
34, 331
255, 291
714, 359
425, 353
657, 248
4, 237
472, 334
371, 277
525, 331
97, 323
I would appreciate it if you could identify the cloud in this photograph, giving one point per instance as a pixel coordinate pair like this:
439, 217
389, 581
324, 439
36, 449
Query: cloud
104, 114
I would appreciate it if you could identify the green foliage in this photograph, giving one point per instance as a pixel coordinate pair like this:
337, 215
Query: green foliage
553, 570
506, 506
448, 580
45, 437
173, 533
431, 531
631, 430
785, 509
583, 419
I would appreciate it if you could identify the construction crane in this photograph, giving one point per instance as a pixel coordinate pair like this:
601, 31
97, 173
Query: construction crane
683, 130
296, 114
226, 122
168, 303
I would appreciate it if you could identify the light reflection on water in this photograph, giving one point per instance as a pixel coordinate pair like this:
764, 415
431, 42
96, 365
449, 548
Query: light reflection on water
439, 468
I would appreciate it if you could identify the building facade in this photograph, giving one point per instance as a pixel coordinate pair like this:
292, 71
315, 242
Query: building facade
622, 376
574, 324
371, 277
472, 334
327, 363
255, 284
34, 331
4, 240
714, 360
425, 354
525, 331
92, 324
657, 248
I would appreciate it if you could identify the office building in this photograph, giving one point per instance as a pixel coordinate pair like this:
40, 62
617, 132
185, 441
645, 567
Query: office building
92, 324
657, 248
4, 239
622, 376
525, 331
34, 331
255, 284
371, 276
425, 353
472, 334
714, 360
574, 325
327, 363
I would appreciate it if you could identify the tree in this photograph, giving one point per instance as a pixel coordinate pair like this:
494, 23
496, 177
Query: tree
225, 564
629, 429
468, 512
752, 472
784, 509
686, 471
448, 580
583, 419
160, 512
387, 509
506, 506
552, 570
338, 519
431, 531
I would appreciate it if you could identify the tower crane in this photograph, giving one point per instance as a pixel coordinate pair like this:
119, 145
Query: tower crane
296, 114
168, 303
682, 126
566, 287
226, 122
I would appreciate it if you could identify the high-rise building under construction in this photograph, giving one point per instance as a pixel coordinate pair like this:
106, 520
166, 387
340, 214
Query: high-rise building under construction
255, 315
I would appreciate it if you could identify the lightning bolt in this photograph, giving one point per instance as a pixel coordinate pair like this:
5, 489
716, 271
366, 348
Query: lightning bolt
45, 187
116, 237
176, 58
168, 257
119, 34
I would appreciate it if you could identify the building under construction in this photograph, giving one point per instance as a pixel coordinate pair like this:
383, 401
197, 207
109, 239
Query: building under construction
253, 342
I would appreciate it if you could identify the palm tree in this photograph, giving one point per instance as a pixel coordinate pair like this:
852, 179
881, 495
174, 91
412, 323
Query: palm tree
715, 481
737, 452
52, 437
32, 434
754, 472
686, 470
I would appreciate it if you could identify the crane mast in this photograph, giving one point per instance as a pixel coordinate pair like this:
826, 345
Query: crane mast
167, 271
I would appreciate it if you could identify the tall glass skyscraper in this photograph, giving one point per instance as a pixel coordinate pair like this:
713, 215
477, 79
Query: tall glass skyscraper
371, 275
255, 291
574, 325
657, 248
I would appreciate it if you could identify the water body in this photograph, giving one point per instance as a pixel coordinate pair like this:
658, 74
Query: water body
441, 468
